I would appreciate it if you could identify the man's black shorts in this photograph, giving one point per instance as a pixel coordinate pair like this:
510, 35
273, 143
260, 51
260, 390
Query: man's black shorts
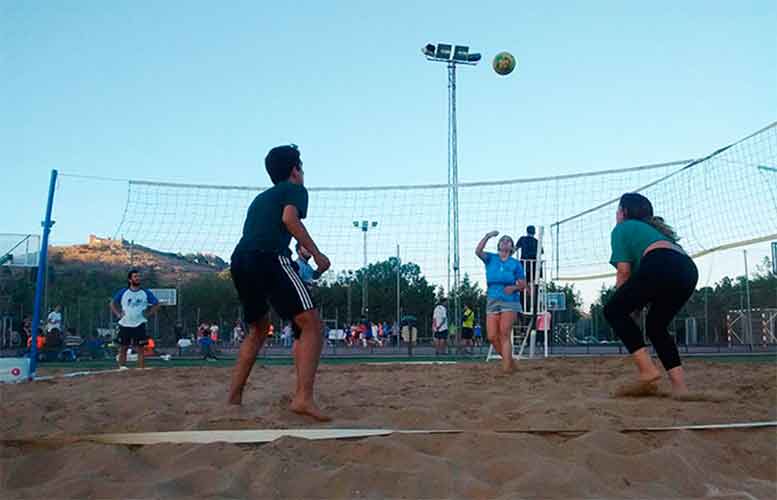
441, 335
529, 267
467, 333
296, 330
262, 277
132, 336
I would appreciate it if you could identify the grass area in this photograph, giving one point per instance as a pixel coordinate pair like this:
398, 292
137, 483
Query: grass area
43, 368
761, 358
274, 361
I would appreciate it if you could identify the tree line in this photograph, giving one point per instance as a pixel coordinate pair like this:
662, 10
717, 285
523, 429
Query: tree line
211, 297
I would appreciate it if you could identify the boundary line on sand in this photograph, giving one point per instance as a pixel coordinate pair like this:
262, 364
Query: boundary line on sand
268, 435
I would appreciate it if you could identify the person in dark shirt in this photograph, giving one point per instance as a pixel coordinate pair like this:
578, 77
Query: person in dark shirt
526, 250
206, 347
263, 272
54, 339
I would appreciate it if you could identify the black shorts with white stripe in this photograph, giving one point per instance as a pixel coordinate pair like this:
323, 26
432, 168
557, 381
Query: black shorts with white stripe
267, 277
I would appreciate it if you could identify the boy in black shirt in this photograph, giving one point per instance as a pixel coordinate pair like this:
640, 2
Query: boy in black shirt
262, 271
527, 248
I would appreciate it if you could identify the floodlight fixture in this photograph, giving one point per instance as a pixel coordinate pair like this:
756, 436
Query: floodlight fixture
451, 54
443, 51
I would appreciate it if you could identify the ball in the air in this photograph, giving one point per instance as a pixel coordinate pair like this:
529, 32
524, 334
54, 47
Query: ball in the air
504, 63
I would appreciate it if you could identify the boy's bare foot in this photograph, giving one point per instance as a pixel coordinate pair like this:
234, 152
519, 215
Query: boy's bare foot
236, 396
638, 389
709, 396
309, 409
680, 392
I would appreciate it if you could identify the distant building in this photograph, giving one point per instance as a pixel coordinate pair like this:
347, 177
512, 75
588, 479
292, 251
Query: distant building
104, 242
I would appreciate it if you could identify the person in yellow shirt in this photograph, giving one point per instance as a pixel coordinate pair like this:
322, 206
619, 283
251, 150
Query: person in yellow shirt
467, 328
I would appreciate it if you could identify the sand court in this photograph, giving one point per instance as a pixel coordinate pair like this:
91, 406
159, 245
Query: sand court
595, 459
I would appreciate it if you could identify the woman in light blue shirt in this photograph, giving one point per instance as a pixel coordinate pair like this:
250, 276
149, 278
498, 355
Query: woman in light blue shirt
505, 278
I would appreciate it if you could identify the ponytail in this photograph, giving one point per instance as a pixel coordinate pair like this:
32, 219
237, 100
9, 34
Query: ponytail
663, 228
636, 206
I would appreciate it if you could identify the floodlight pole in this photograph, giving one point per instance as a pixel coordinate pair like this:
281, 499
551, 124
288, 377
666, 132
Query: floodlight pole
399, 271
349, 279
365, 293
453, 190
365, 226
749, 329
453, 171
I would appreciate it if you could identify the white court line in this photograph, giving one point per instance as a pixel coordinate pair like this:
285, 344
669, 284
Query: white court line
740, 425
242, 436
116, 370
411, 363
88, 372
269, 435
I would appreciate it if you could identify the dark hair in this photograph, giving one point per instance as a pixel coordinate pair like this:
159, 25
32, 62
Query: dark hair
637, 207
530, 230
280, 161
131, 272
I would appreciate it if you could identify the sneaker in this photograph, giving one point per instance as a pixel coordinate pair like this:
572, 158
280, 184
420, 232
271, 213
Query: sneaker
122, 368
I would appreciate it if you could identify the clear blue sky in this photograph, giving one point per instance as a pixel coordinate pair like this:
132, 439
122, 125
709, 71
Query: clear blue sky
195, 92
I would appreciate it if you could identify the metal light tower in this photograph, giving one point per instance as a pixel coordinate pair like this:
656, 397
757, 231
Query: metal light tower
349, 281
364, 226
452, 56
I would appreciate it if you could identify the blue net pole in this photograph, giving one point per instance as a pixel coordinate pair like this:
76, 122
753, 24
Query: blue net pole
40, 284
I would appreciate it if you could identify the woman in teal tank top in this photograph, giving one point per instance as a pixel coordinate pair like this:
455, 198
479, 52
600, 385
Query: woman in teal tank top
652, 269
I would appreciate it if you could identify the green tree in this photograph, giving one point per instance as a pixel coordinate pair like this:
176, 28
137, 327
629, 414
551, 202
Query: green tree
211, 297
470, 294
416, 294
600, 328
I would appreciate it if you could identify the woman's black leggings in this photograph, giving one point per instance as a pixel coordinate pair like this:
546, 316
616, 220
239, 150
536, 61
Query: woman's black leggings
666, 280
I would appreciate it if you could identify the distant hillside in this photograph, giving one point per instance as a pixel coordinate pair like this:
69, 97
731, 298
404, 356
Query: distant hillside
115, 255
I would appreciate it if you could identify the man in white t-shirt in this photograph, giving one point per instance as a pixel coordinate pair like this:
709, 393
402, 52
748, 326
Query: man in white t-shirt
440, 327
54, 321
238, 333
183, 343
286, 335
133, 306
